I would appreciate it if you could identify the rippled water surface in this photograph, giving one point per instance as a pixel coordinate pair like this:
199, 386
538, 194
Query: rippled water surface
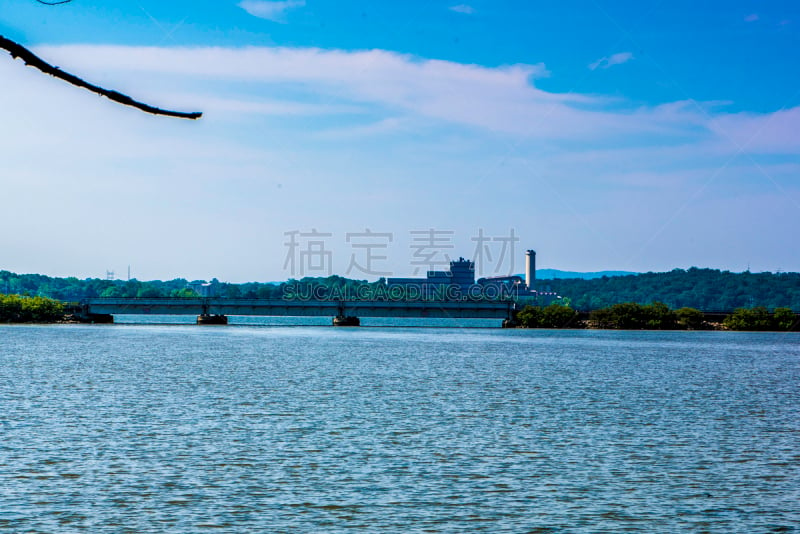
136, 428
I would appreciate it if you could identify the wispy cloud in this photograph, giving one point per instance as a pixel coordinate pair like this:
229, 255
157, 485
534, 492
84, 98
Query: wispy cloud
763, 133
500, 99
609, 61
463, 8
382, 84
274, 11
751, 17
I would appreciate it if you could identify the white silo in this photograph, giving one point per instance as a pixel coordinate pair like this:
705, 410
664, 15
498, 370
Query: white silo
530, 268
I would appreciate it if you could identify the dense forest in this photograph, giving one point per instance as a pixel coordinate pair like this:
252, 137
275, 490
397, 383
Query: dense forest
74, 289
703, 289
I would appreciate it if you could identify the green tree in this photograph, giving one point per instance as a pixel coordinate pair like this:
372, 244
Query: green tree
557, 316
626, 316
784, 319
658, 316
231, 291
529, 316
689, 318
113, 292
634, 316
21, 309
183, 293
148, 292
756, 319
10, 307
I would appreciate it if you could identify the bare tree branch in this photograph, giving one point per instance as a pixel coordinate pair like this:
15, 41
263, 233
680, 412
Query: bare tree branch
18, 51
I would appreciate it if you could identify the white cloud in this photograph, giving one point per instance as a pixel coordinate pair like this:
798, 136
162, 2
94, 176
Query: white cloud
363, 88
501, 99
610, 61
463, 8
274, 11
762, 133
751, 18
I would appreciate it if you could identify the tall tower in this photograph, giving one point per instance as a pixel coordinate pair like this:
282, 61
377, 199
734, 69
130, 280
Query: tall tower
530, 268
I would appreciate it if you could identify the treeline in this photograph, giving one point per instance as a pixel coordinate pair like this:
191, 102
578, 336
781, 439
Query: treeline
74, 289
552, 316
759, 319
19, 309
655, 316
703, 289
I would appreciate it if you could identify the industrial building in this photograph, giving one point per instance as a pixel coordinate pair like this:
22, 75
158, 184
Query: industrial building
462, 276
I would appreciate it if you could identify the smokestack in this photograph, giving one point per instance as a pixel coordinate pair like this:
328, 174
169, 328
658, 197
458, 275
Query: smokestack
530, 268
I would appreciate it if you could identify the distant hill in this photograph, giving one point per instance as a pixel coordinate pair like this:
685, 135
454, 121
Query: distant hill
704, 289
555, 274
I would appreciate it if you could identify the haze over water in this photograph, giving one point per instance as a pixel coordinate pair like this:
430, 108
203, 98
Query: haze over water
146, 428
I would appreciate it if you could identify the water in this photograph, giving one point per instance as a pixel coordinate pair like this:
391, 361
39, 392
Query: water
142, 428
256, 320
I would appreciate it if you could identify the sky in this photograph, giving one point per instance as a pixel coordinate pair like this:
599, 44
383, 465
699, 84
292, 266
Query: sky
372, 139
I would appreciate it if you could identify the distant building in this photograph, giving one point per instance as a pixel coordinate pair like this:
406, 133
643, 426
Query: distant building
203, 288
462, 277
530, 268
462, 272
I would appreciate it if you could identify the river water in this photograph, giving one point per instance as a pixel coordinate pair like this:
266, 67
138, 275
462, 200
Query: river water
145, 428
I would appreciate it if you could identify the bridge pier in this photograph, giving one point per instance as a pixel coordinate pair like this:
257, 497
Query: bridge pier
342, 319
346, 320
211, 318
98, 318
83, 315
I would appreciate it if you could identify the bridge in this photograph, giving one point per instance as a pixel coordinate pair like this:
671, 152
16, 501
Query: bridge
344, 313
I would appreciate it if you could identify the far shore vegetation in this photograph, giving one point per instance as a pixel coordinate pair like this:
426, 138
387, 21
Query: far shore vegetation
702, 289
23, 309
656, 316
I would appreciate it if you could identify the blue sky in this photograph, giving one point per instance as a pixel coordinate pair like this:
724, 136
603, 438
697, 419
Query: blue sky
606, 135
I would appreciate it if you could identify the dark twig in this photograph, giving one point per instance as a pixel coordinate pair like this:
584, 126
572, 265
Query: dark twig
18, 51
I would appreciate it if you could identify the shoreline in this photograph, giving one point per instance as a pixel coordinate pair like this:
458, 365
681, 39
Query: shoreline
23, 309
